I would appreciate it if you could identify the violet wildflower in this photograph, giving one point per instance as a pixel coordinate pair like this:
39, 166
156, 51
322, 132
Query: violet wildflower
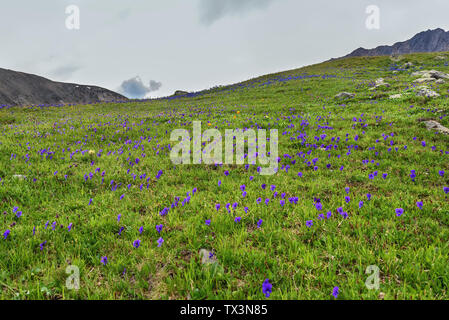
6, 234
419, 204
160, 241
42, 245
335, 292
267, 288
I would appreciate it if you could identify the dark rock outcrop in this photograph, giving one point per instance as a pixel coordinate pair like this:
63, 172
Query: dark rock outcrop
180, 93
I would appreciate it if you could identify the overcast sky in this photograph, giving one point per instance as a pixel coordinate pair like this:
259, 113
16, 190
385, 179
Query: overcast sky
154, 47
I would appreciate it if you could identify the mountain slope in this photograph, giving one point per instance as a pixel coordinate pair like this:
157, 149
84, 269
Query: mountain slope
427, 41
18, 88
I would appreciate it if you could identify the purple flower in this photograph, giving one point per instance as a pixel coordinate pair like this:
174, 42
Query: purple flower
90, 201
419, 204
136, 243
399, 212
70, 226
119, 217
217, 206
318, 206
208, 222
104, 260
267, 288
42, 245
141, 230
160, 241
237, 219
259, 223
360, 204
441, 173
347, 199
159, 227
368, 195
6, 234
446, 189
335, 292
309, 223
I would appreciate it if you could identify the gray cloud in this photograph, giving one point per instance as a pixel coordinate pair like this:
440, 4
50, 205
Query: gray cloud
135, 88
155, 85
213, 10
64, 72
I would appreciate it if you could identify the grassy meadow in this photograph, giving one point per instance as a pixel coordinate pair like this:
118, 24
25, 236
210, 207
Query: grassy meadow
81, 183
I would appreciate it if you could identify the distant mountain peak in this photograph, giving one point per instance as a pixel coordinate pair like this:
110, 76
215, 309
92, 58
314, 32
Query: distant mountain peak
436, 40
18, 88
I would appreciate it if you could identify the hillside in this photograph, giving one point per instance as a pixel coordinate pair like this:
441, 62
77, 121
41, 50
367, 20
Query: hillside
18, 88
362, 185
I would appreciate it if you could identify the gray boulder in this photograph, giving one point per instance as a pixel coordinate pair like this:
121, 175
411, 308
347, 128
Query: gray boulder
434, 125
426, 92
344, 95
180, 93
380, 83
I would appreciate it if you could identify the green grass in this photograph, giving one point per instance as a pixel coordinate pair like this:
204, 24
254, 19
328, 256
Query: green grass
411, 251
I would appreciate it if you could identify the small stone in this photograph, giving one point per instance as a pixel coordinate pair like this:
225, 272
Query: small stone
207, 257
426, 92
344, 95
435, 125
